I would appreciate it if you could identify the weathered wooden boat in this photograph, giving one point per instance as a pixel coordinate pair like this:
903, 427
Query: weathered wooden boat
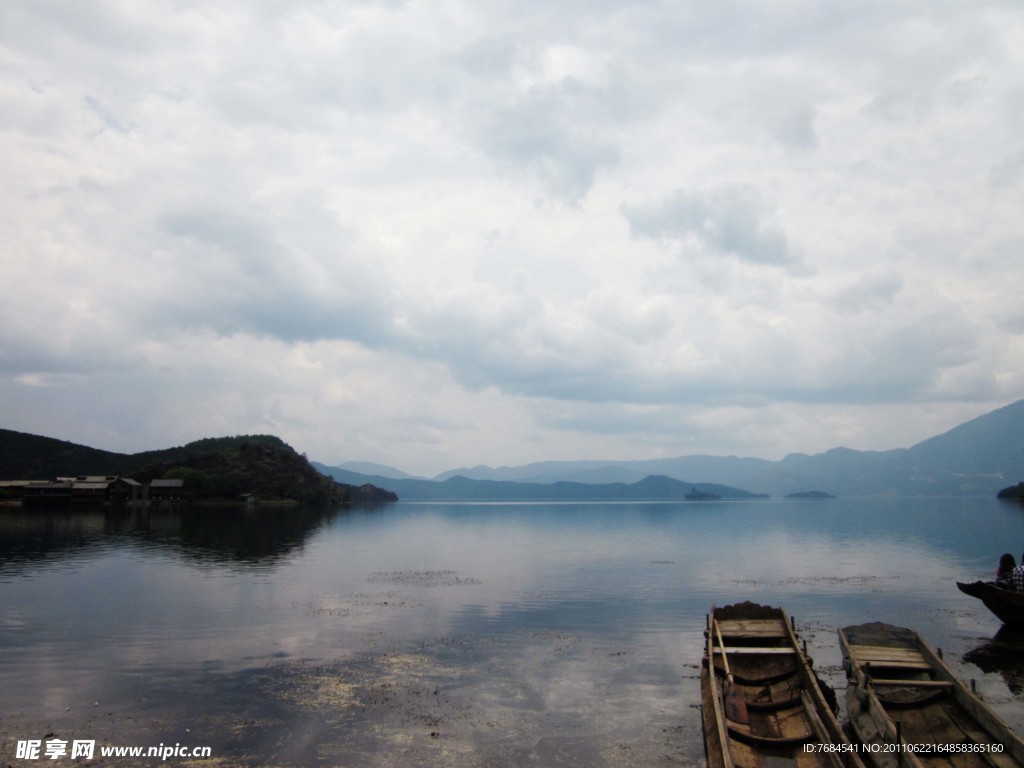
762, 703
908, 708
1007, 605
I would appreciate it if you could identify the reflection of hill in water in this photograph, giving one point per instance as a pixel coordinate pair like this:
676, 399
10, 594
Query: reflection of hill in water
38, 536
256, 538
1004, 654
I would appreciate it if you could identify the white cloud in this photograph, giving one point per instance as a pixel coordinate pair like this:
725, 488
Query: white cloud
440, 234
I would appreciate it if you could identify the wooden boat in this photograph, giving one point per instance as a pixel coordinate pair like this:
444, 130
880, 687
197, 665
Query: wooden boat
762, 703
908, 708
1007, 605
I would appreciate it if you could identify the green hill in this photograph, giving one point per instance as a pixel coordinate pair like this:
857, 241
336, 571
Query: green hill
213, 468
32, 457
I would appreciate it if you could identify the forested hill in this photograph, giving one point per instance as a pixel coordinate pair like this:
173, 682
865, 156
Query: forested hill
33, 457
212, 468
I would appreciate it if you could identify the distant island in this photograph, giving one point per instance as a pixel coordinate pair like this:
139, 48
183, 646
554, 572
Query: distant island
240, 468
810, 495
1014, 492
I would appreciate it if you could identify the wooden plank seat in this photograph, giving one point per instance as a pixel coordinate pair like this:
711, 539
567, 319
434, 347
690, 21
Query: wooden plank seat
753, 629
883, 682
748, 650
890, 658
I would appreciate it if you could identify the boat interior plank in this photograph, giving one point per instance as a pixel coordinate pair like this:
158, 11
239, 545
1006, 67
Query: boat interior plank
894, 683
894, 658
753, 628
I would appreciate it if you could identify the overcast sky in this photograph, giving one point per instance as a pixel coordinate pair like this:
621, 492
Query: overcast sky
440, 234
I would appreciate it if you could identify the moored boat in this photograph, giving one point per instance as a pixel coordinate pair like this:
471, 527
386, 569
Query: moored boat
908, 708
762, 703
1007, 605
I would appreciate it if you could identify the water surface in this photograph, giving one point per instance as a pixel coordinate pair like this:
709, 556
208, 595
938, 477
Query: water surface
458, 634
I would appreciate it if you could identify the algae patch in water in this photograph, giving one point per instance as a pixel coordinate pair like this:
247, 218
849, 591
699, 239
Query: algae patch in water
422, 578
319, 691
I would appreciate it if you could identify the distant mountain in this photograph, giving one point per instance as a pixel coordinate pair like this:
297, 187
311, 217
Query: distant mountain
554, 471
709, 468
378, 470
458, 488
977, 458
212, 468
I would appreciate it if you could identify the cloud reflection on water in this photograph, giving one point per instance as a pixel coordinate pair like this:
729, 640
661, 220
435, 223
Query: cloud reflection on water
550, 619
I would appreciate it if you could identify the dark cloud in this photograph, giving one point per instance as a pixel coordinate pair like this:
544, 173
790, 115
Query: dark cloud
796, 130
1009, 171
729, 219
240, 275
102, 25
552, 130
869, 294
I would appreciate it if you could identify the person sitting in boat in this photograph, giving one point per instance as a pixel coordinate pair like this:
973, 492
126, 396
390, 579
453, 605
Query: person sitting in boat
1017, 576
1004, 573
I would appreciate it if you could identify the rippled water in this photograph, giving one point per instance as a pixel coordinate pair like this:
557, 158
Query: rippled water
461, 634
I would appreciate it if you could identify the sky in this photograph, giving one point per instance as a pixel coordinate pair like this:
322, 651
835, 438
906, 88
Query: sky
443, 234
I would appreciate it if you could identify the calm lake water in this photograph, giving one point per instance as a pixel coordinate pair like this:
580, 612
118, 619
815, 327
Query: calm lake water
458, 634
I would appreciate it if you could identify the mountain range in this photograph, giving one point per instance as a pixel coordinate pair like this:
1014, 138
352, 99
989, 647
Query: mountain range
977, 458
650, 488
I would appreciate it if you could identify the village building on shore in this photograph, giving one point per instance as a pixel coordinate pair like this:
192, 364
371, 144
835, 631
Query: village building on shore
91, 489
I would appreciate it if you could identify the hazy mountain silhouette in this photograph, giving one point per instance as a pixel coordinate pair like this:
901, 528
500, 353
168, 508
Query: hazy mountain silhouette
979, 457
651, 488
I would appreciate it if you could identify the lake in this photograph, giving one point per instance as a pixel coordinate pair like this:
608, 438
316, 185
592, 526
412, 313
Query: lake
461, 634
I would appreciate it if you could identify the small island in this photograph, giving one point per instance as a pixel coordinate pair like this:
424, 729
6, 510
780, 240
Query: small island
1013, 493
810, 495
